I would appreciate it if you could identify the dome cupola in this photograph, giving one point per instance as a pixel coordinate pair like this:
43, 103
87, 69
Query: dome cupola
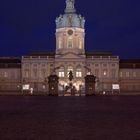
70, 18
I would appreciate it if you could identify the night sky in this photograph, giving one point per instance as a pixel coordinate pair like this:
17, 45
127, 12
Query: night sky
29, 25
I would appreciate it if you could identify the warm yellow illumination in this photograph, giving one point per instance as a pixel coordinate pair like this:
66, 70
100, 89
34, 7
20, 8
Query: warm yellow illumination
80, 43
70, 42
59, 43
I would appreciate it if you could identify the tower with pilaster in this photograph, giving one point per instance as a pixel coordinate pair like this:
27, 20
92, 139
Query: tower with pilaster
70, 48
70, 32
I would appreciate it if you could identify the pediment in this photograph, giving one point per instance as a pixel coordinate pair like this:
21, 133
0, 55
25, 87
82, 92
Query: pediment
70, 56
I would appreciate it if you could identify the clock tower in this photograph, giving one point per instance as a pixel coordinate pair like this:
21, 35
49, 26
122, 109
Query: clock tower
70, 32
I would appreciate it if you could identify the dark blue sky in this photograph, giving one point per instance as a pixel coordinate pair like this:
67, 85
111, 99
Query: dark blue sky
29, 25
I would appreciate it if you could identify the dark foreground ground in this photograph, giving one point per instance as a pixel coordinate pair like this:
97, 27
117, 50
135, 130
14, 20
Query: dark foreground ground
69, 118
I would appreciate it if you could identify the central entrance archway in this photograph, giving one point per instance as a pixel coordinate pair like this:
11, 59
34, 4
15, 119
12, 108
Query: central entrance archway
74, 88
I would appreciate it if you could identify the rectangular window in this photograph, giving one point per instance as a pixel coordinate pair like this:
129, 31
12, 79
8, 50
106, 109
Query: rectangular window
134, 74
96, 72
13, 74
78, 74
5, 74
43, 73
104, 65
27, 73
113, 65
113, 73
96, 65
35, 73
61, 74
60, 43
70, 44
80, 43
121, 74
105, 73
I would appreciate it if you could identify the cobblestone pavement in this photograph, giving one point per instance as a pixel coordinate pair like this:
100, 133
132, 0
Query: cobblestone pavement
69, 118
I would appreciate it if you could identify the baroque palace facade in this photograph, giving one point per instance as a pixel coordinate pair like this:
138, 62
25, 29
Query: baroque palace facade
70, 55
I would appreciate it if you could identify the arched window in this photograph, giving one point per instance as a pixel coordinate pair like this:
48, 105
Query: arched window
60, 43
70, 42
80, 43
78, 71
61, 72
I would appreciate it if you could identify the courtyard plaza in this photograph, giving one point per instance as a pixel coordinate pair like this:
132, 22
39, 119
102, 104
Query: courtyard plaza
69, 118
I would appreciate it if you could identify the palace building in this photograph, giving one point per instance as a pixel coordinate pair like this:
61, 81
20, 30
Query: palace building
70, 55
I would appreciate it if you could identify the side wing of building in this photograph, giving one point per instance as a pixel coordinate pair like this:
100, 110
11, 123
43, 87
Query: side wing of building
10, 74
105, 67
129, 75
36, 68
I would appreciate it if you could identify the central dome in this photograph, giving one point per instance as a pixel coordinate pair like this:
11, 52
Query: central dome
70, 18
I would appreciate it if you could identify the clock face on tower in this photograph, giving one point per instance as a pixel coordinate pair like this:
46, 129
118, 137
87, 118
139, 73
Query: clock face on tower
70, 32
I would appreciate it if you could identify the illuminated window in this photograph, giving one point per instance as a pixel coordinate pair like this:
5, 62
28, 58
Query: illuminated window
70, 42
80, 43
5, 74
121, 74
60, 43
88, 73
61, 72
78, 72
104, 72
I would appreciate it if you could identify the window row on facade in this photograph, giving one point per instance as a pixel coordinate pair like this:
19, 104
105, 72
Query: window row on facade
6, 74
64, 72
129, 74
93, 64
35, 65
